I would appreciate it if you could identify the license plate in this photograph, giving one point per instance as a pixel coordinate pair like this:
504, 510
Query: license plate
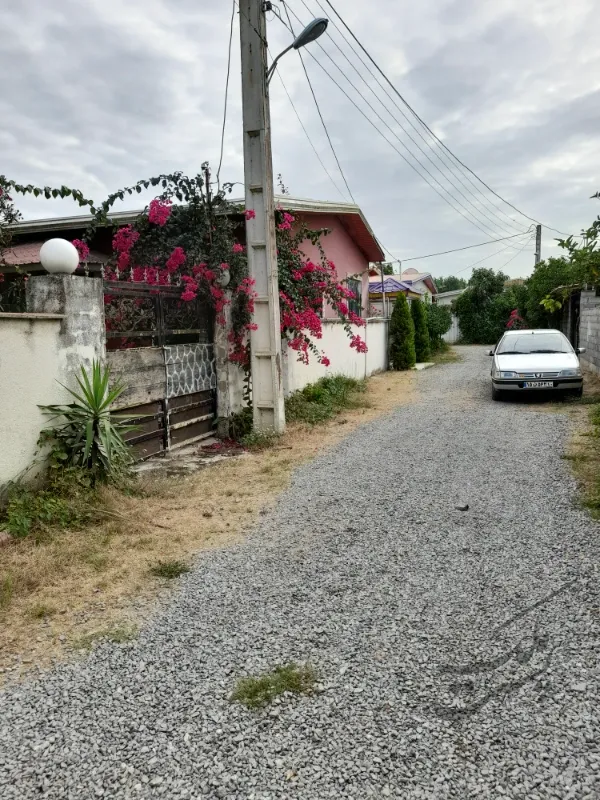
538, 385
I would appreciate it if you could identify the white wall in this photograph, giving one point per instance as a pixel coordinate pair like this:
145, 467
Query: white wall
30, 365
344, 360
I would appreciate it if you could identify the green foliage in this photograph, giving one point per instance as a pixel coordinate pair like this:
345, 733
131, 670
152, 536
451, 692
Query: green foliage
320, 401
484, 307
450, 284
439, 322
387, 269
257, 692
259, 440
88, 436
547, 277
402, 336
169, 569
422, 345
66, 502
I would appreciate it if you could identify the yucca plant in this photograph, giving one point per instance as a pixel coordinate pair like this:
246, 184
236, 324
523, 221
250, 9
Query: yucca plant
88, 436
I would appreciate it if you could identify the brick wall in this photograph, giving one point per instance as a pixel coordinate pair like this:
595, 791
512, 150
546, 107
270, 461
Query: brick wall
589, 330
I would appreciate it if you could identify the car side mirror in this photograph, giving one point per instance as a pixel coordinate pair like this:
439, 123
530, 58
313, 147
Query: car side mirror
490, 353
580, 350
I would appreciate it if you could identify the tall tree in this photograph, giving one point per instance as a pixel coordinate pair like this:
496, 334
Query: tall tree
419, 317
450, 284
402, 336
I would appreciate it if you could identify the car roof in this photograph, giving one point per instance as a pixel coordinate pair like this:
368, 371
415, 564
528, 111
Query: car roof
533, 331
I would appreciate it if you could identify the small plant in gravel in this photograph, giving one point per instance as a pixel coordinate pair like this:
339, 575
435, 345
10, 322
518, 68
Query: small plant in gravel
169, 569
119, 634
422, 344
259, 691
402, 336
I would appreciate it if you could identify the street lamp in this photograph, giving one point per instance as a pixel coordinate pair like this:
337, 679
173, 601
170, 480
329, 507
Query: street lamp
312, 31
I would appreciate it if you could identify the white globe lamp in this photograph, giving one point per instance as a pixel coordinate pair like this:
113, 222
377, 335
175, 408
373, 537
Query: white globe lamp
59, 257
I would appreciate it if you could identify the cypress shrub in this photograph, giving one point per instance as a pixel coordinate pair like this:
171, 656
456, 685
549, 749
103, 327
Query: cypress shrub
402, 336
422, 345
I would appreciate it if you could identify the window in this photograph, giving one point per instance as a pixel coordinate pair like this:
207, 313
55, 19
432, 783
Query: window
354, 302
534, 343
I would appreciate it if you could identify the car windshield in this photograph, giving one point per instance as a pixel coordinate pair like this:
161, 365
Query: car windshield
534, 343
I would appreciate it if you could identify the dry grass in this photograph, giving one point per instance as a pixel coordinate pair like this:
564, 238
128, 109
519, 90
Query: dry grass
71, 585
583, 451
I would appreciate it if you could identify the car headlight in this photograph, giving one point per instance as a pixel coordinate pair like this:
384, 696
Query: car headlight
498, 374
571, 373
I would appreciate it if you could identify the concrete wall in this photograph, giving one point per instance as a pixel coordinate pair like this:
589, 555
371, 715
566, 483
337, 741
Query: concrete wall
344, 360
62, 331
30, 364
589, 330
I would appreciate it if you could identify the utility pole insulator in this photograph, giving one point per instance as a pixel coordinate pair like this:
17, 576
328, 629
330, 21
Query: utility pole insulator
265, 342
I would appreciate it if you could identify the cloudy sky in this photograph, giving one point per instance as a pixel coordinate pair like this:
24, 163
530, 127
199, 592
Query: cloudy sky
99, 93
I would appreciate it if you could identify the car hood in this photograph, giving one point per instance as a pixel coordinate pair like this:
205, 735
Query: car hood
537, 362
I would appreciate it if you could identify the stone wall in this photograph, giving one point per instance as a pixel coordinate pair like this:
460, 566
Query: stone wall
589, 330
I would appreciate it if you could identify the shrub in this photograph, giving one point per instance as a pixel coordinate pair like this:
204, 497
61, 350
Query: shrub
402, 336
419, 316
320, 401
439, 322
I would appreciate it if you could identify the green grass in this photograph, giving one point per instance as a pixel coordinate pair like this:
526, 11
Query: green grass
41, 611
169, 569
444, 354
259, 440
119, 635
322, 400
6, 590
259, 691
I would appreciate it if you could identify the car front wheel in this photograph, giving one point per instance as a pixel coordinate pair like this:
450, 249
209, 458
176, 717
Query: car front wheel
496, 393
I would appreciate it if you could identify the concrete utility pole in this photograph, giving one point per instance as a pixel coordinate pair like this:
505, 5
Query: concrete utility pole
538, 244
265, 343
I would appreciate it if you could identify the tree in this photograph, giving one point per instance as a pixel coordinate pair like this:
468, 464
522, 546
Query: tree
402, 336
439, 321
419, 317
387, 269
484, 307
547, 276
450, 284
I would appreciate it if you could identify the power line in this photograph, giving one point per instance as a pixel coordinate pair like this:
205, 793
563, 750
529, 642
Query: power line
312, 91
512, 224
455, 157
491, 255
468, 216
308, 137
226, 91
458, 249
512, 258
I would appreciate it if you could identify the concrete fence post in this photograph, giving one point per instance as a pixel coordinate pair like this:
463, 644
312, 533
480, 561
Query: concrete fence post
80, 301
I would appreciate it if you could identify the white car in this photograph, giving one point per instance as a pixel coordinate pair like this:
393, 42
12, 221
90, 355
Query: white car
531, 360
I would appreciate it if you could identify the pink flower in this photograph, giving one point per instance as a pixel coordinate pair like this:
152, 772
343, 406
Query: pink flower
284, 226
357, 344
325, 361
124, 239
159, 212
81, 248
355, 319
250, 214
176, 259
238, 248
188, 295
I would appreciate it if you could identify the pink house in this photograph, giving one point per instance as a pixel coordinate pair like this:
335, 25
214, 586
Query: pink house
350, 244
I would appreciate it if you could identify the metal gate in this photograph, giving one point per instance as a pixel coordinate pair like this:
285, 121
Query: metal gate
161, 350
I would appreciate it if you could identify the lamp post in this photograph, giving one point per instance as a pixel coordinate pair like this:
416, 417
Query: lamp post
268, 411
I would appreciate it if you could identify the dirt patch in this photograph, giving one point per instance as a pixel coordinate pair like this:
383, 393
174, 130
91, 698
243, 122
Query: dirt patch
83, 585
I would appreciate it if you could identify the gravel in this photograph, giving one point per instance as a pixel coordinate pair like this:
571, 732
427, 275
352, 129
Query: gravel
457, 651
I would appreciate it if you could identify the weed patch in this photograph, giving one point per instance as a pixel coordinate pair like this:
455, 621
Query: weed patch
259, 440
322, 400
119, 635
259, 691
169, 569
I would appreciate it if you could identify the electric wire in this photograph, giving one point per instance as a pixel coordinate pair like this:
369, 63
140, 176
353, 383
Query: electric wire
491, 255
468, 215
510, 225
226, 92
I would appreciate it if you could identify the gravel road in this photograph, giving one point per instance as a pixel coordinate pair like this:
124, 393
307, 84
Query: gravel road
458, 651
